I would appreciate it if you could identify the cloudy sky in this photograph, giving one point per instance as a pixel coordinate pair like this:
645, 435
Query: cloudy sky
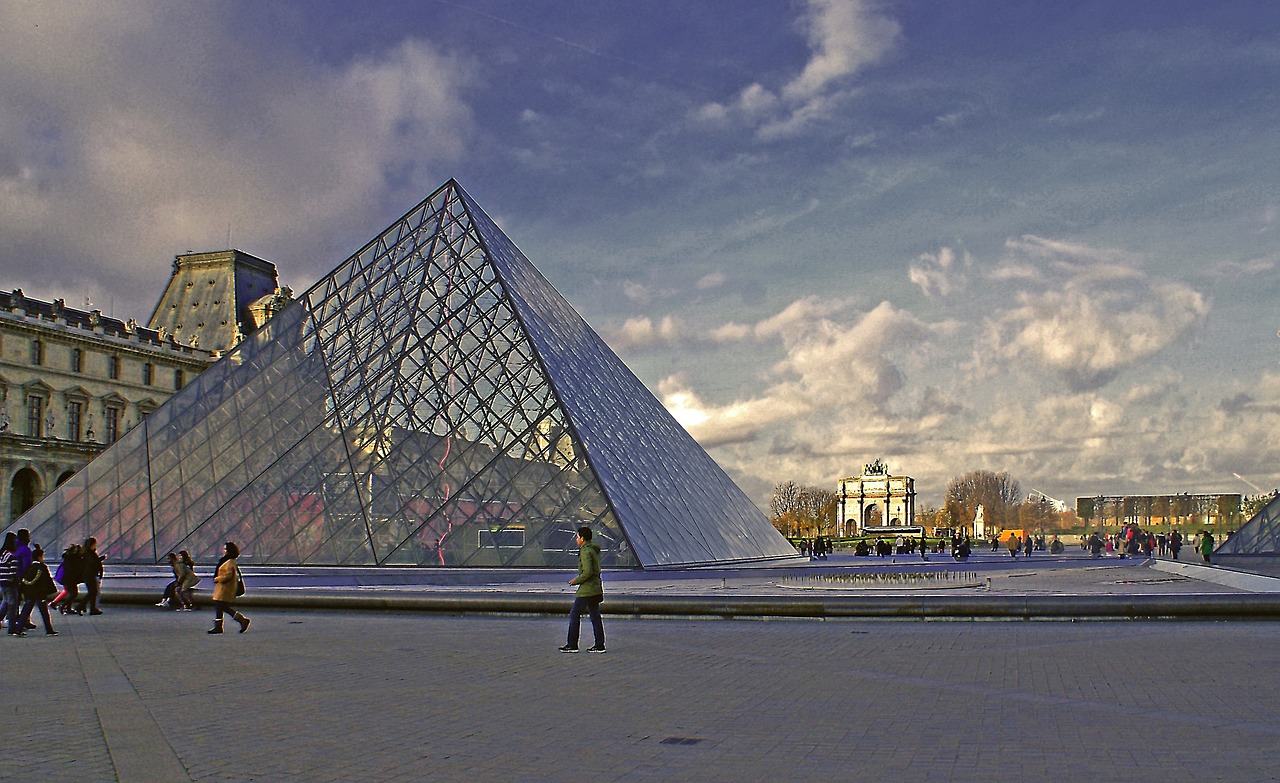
1036, 237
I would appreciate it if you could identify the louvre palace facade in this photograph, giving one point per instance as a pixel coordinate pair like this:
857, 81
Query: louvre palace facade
74, 381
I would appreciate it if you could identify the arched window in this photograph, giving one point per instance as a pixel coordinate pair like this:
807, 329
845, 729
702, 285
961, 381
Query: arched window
24, 492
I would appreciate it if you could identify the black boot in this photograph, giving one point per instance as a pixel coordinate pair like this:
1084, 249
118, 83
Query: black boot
217, 627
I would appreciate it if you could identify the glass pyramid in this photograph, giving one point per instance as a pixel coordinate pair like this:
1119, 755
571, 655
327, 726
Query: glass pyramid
433, 401
1259, 536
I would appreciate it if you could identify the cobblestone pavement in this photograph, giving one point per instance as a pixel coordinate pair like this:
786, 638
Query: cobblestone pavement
145, 695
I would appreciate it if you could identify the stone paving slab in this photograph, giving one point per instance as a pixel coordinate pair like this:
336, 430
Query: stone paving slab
142, 693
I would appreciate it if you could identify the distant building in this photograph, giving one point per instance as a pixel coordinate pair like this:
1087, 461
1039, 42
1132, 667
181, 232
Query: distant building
874, 498
1217, 511
73, 381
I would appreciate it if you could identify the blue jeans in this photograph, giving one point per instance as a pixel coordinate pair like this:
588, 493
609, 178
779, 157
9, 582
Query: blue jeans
11, 605
591, 605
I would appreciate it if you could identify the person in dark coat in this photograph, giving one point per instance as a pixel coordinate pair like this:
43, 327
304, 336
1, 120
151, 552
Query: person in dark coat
37, 589
68, 576
90, 576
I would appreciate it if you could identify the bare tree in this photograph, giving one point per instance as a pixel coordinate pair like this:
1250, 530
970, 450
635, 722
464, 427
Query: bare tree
801, 510
819, 508
786, 498
997, 493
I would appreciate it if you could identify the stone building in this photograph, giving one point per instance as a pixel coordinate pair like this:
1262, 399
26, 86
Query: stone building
214, 299
73, 381
874, 498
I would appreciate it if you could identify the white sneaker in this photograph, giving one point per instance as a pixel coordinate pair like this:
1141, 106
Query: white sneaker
162, 604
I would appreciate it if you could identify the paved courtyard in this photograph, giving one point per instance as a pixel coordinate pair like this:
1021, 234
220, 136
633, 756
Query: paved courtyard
142, 694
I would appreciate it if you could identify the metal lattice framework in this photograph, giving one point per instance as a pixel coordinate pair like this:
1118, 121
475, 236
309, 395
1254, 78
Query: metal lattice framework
1259, 536
433, 401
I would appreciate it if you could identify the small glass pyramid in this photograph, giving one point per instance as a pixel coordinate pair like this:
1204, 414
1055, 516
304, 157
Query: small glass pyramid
1259, 536
433, 401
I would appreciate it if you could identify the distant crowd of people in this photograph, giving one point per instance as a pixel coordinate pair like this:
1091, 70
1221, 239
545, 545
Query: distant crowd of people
73, 588
1129, 541
1133, 541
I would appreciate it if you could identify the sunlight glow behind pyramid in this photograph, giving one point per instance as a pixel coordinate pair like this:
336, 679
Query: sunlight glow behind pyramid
433, 401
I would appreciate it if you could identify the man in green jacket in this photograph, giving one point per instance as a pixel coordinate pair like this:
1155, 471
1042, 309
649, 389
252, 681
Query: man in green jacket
590, 594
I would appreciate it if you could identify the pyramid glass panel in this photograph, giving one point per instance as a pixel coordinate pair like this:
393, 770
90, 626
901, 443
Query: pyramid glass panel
1259, 536
431, 402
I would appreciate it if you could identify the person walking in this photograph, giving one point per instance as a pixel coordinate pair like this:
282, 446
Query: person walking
226, 582
38, 588
68, 575
589, 595
1206, 545
90, 576
10, 580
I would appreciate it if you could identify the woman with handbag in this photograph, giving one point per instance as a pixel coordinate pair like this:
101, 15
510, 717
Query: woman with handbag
90, 576
226, 586
38, 589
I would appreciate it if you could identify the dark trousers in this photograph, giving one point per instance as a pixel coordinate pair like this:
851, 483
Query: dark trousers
12, 603
44, 613
90, 598
223, 607
591, 605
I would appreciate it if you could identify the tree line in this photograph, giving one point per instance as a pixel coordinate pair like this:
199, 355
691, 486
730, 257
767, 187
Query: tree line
798, 510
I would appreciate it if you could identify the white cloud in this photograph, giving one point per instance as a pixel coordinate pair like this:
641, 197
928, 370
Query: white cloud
711, 280
941, 273
844, 36
737, 422
155, 129
636, 292
839, 367
731, 333
1092, 316
643, 332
